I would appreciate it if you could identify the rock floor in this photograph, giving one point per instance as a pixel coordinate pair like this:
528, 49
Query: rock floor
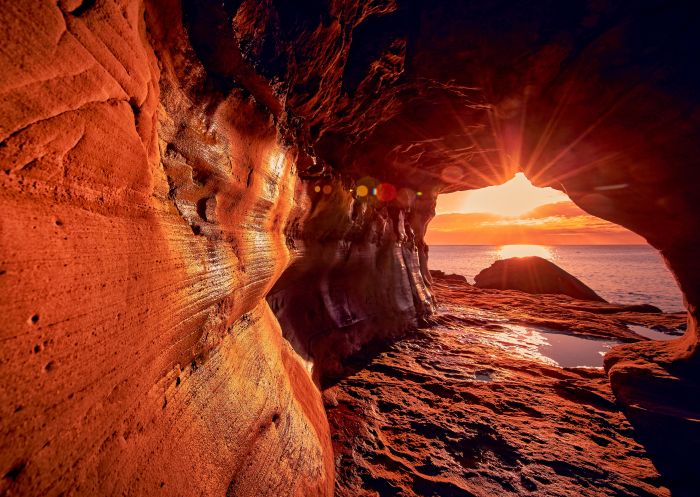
451, 412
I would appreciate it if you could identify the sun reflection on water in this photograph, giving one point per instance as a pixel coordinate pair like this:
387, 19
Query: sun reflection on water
508, 251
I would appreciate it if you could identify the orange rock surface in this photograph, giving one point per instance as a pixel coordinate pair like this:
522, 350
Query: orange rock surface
140, 232
463, 409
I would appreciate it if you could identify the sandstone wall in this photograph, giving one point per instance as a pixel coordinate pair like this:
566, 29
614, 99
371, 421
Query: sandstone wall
357, 276
142, 226
148, 208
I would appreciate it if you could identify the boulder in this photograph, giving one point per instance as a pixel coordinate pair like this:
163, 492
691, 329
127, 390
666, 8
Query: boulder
534, 275
441, 275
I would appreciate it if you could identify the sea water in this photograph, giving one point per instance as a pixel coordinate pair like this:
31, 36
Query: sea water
624, 274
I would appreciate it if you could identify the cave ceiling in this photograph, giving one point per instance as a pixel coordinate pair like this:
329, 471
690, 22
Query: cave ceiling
455, 95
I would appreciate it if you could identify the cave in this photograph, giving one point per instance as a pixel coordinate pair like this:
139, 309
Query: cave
189, 254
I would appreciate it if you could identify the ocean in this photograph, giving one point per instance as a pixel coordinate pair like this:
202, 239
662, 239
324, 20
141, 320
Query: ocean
625, 274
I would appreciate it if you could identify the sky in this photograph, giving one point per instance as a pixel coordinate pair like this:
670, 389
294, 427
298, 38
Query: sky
517, 212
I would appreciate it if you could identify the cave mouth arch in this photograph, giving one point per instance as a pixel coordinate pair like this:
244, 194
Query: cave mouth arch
656, 382
474, 228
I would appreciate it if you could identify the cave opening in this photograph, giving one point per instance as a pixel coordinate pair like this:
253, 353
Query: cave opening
486, 236
494, 356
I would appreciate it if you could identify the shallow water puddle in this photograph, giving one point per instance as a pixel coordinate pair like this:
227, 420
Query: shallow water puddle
570, 351
544, 345
651, 333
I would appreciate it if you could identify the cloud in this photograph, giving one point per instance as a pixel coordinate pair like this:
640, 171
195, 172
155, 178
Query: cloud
550, 224
560, 209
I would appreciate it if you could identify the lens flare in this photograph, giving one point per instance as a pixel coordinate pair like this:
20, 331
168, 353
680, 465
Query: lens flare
386, 192
365, 187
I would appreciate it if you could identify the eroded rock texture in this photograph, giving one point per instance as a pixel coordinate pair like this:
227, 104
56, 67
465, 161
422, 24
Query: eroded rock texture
470, 408
356, 279
143, 222
167, 165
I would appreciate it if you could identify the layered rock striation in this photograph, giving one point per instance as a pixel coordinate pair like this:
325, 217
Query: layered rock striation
208, 205
150, 204
142, 227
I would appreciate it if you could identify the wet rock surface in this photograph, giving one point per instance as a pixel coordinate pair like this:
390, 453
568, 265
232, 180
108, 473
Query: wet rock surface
557, 312
454, 410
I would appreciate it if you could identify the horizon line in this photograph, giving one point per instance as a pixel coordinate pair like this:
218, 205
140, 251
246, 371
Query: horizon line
541, 244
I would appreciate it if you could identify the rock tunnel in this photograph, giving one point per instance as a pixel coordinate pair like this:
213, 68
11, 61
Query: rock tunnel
185, 254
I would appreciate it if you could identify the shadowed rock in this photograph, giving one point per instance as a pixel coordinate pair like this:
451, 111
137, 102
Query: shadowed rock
435, 273
534, 275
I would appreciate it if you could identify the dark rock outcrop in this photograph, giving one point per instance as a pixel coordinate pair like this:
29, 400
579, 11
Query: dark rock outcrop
661, 396
458, 278
533, 275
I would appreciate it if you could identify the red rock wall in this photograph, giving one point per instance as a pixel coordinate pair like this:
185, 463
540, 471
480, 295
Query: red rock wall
152, 198
356, 276
142, 226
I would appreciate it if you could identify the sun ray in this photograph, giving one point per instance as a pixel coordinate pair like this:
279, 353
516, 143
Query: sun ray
542, 170
513, 198
543, 140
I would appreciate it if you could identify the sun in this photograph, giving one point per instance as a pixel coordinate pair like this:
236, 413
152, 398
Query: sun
525, 250
511, 199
